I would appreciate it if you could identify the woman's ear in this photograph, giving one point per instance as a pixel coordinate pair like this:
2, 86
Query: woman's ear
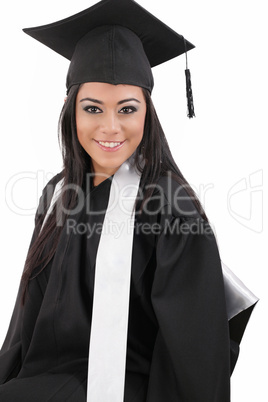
65, 99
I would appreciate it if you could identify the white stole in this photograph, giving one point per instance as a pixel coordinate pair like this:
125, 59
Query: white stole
108, 338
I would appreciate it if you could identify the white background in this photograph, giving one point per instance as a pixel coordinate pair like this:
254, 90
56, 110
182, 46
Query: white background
221, 152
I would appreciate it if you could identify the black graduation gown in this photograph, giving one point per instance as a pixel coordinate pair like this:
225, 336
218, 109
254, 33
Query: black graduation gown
178, 337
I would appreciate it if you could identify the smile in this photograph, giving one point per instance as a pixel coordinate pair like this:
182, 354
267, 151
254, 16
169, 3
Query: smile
110, 145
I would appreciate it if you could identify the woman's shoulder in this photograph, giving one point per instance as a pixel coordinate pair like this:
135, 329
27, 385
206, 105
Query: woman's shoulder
49, 188
47, 193
178, 198
55, 179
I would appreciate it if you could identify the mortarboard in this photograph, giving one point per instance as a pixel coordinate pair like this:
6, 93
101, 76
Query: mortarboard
114, 41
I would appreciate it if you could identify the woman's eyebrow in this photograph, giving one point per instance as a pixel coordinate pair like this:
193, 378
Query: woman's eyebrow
128, 100
92, 100
101, 103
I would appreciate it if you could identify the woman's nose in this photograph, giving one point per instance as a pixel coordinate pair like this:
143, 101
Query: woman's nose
110, 124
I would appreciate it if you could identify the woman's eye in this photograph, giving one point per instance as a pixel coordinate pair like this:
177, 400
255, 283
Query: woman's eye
128, 110
92, 109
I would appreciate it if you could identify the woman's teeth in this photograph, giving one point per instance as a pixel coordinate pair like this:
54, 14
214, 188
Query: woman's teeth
109, 144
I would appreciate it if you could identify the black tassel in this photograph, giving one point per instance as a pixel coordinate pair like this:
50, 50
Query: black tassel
189, 94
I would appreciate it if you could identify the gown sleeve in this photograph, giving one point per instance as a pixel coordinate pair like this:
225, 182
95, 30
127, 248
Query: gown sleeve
24, 317
191, 357
10, 353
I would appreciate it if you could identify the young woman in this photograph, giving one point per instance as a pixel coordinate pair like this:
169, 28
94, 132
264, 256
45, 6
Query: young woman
122, 296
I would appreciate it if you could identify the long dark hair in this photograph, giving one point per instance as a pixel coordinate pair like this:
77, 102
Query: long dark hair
157, 159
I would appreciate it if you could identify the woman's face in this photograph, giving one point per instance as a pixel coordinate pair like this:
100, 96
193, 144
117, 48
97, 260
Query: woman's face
110, 123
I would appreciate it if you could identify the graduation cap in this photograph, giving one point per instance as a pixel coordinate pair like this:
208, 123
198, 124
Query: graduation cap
114, 41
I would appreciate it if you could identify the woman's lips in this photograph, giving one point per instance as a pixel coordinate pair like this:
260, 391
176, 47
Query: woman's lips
110, 146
